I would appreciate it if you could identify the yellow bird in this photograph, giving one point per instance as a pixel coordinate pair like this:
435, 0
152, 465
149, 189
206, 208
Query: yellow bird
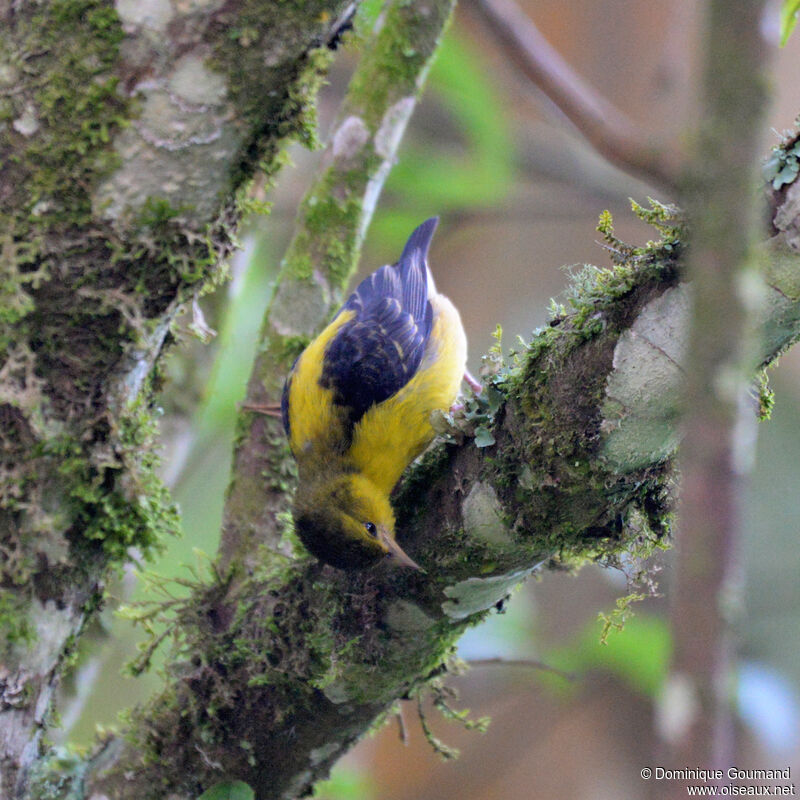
357, 406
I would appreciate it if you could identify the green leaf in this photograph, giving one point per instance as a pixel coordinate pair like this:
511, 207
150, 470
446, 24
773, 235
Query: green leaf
494, 399
786, 175
483, 437
229, 790
789, 12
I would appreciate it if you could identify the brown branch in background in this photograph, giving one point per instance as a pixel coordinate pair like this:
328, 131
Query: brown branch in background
696, 713
604, 126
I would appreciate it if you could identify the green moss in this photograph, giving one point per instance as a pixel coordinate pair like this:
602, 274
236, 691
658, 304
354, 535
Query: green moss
386, 670
621, 613
75, 108
167, 254
58, 776
398, 56
14, 626
766, 397
70, 107
240, 55
118, 502
331, 214
16, 280
300, 111
288, 348
271, 116
429, 468
442, 696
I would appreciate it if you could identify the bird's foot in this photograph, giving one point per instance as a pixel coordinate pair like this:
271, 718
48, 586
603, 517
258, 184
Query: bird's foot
473, 384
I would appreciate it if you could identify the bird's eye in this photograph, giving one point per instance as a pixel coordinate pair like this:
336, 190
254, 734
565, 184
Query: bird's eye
371, 529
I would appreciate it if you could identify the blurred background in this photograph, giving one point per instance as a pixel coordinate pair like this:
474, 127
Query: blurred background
519, 194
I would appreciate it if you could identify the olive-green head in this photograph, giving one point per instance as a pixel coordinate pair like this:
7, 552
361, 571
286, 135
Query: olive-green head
347, 522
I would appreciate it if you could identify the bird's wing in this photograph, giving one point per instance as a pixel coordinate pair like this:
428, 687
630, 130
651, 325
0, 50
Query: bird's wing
377, 352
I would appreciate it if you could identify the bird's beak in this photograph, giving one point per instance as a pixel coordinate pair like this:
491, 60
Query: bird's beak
396, 554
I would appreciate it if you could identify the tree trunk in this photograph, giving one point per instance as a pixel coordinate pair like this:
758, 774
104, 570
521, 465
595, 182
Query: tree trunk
127, 136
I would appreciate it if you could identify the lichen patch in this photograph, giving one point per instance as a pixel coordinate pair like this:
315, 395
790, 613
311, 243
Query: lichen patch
643, 389
481, 512
473, 595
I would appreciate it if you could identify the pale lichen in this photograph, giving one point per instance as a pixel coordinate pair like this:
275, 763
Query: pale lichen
482, 515
473, 595
405, 616
643, 389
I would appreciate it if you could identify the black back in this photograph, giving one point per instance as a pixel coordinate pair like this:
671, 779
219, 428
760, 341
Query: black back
375, 354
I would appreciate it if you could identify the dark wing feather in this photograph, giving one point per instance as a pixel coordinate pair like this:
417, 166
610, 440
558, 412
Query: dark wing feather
376, 353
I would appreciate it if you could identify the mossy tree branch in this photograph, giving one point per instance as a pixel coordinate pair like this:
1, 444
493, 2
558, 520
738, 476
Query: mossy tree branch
275, 678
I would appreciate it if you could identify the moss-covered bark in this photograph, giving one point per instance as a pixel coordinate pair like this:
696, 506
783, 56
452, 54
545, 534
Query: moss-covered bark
127, 137
308, 654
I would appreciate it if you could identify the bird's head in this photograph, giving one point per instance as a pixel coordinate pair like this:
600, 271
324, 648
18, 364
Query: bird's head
347, 522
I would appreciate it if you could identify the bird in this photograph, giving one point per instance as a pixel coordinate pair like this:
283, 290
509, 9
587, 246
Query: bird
357, 406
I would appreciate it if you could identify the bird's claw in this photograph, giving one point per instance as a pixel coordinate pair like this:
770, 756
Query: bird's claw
268, 409
473, 384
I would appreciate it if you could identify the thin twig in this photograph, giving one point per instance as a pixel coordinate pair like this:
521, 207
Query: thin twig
529, 663
446, 752
401, 725
601, 123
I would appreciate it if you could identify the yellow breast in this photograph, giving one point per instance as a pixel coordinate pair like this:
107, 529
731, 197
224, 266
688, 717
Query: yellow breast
393, 433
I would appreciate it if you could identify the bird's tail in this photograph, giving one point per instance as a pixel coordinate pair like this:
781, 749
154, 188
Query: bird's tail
415, 276
419, 242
